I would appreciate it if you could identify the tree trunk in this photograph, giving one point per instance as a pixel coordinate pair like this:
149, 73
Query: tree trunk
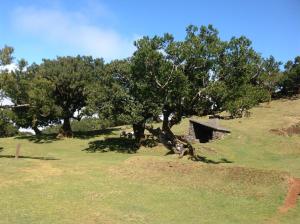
66, 130
166, 129
166, 115
170, 140
139, 129
36, 130
176, 144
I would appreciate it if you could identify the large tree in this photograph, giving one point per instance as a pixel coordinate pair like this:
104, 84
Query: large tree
69, 79
177, 72
119, 96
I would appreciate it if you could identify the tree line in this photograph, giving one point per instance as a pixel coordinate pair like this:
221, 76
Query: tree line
199, 75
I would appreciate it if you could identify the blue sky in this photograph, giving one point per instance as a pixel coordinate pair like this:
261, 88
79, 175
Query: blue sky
45, 29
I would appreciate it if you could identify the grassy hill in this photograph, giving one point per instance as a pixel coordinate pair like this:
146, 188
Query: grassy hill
240, 179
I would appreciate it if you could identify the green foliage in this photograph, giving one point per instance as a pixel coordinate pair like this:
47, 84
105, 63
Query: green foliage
24, 87
199, 75
247, 97
242, 79
69, 77
6, 55
290, 81
270, 76
84, 125
7, 128
69, 81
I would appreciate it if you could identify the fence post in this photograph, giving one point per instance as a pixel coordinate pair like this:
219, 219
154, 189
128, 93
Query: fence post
18, 151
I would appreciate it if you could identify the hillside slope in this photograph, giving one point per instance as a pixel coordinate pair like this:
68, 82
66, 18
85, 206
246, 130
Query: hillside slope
261, 140
243, 178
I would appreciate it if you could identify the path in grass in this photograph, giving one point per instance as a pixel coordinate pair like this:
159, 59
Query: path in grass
292, 195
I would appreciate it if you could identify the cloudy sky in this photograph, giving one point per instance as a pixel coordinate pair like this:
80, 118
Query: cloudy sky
47, 28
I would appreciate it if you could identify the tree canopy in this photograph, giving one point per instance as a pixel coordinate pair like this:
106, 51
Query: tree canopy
199, 75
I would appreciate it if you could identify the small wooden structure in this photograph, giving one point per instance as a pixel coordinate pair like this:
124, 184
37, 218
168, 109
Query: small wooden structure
205, 131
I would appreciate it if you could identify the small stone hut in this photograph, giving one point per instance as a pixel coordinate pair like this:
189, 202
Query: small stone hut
205, 131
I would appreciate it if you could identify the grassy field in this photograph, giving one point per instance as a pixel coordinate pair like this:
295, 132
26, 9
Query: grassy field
240, 179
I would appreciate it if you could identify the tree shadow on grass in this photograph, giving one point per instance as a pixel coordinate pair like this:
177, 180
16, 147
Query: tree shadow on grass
203, 159
28, 157
122, 145
49, 138
40, 139
94, 133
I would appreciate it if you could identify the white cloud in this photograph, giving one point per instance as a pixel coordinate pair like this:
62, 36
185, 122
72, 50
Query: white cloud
74, 30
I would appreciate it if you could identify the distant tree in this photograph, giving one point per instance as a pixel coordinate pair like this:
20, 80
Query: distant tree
6, 55
270, 76
290, 81
69, 78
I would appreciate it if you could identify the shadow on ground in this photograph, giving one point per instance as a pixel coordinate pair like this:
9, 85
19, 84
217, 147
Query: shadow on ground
203, 159
95, 133
40, 139
49, 138
28, 157
122, 145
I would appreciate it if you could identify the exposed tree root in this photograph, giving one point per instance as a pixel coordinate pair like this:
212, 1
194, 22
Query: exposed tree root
177, 144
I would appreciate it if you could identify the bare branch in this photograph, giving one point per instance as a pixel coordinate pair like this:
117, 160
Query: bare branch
14, 106
169, 78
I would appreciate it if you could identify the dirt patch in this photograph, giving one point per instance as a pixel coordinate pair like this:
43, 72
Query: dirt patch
292, 195
292, 130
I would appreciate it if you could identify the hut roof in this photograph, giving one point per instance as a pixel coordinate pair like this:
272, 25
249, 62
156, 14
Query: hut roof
210, 125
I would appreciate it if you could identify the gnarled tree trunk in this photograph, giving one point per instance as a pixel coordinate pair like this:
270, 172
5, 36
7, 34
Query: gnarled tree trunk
166, 128
174, 143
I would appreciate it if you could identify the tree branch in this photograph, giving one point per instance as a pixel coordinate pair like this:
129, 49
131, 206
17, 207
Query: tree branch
14, 106
168, 81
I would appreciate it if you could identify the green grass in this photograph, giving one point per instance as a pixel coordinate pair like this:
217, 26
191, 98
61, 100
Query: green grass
243, 178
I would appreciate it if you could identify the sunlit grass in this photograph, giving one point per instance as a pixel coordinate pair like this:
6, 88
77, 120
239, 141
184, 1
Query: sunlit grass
59, 181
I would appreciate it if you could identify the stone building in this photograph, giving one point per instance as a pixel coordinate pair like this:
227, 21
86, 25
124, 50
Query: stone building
205, 131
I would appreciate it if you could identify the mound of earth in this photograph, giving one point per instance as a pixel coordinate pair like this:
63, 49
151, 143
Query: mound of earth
292, 130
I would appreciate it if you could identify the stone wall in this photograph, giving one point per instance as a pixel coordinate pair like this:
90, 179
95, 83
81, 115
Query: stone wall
191, 135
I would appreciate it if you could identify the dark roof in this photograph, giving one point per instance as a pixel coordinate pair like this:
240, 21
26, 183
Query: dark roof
210, 125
